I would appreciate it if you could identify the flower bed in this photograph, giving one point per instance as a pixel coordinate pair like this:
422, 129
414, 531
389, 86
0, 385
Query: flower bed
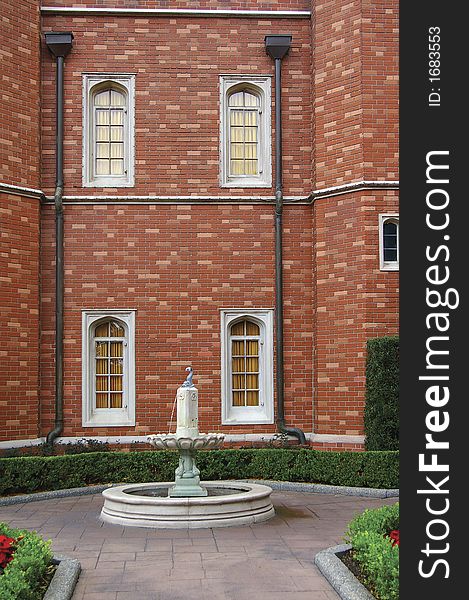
25, 560
374, 536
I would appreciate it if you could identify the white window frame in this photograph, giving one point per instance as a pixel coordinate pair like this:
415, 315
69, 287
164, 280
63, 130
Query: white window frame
248, 415
261, 85
391, 265
111, 417
93, 82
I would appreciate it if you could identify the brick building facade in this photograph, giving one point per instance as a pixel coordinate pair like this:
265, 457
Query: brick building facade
169, 207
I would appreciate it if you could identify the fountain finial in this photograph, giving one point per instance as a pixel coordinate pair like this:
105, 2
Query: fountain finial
188, 380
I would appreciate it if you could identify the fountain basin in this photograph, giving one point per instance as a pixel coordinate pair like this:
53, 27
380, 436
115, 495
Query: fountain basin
172, 441
228, 503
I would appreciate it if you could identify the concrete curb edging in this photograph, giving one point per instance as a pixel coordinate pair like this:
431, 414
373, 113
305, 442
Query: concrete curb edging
339, 576
285, 486
65, 579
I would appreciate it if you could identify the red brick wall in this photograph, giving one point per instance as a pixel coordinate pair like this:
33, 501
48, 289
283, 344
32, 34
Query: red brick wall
354, 301
19, 322
19, 108
19, 219
177, 266
177, 62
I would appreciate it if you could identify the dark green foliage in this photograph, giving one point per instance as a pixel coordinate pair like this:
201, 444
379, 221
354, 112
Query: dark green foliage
23, 576
379, 559
382, 394
48, 449
360, 469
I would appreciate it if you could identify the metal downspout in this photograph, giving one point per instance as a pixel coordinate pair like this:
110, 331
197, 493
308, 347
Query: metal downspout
280, 384
59, 50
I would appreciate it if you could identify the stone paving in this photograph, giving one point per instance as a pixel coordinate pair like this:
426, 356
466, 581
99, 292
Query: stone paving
273, 560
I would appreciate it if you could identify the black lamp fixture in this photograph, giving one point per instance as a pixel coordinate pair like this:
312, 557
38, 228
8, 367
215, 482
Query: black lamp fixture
277, 46
59, 42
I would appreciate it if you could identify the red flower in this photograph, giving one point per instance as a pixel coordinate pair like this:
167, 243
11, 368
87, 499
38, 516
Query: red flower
394, 535
6, 550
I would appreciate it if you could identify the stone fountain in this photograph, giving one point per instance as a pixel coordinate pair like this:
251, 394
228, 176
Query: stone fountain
187, 503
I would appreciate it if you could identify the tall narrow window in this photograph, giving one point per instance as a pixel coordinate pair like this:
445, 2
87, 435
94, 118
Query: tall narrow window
389, 242
247, 374
245, 132
108, 130
108, 368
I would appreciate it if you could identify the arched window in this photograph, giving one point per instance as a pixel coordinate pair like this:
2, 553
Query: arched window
110, 354
244, 108
108, 368
247, 372
109, 114
245, 132
389, 242
108, 131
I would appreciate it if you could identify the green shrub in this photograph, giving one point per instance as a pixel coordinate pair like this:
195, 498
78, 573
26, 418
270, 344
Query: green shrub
382, 394
23, 576
378, 558
361, 469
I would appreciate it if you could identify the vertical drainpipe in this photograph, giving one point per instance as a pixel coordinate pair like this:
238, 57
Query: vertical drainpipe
59, 44
277, 47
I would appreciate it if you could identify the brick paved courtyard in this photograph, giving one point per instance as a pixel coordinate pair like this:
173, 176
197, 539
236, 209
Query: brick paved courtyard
272, 560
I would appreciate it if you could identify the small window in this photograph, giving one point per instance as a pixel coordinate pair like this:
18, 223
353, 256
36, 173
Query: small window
247, 374
245, 132
108, 131
389, 242
108, 368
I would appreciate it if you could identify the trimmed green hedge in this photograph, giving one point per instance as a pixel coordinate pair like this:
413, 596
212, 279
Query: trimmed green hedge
372, 548
382, 394
24, 575
360, 469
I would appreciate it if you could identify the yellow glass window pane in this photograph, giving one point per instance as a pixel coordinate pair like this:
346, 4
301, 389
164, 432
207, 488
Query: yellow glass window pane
116, 349
238, 398
237, 328
238, 365
238, 382
116, 400
102, 330
117, 98
250, 118
117, 134
117, 366
102, 150
101, 401
237, 348
237, 118
102, 117
101, 383
102, 133
250, 167
252, 398
237, 151
236, 99
101, 366
237, 134
117, 117
102, 166
237, 167
117, 150
116, 383
250, 151
116, 329
102, 349
252, 364
102, 99
117, 167
252, 382
252, 348
250, 134
251, 99
252, 328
